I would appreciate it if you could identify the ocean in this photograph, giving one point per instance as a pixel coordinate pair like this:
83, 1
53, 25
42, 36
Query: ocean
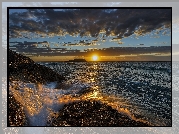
140, 90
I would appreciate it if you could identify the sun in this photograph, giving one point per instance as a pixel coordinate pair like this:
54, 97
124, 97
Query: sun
95, 57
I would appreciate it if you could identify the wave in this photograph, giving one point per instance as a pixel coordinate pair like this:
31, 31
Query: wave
42, 102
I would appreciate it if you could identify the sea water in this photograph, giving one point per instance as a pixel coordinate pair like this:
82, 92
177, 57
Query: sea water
141, 90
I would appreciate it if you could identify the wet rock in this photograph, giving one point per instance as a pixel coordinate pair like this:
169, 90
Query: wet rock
16, 114
87, 113
25, 69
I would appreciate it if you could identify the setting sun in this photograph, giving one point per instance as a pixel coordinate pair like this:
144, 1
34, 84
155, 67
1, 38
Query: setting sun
95, 58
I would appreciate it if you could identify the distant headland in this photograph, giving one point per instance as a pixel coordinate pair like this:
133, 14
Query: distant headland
77, 60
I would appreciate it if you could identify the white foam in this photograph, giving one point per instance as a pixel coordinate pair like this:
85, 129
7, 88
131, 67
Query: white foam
40, 101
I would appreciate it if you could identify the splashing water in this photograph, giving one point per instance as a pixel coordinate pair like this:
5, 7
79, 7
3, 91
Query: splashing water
41, 102
102, 82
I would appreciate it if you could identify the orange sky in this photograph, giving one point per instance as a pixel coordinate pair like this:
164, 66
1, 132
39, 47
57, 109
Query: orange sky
147, 57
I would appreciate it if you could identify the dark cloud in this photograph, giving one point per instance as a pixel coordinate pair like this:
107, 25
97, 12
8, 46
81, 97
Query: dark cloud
43, 49
121, 22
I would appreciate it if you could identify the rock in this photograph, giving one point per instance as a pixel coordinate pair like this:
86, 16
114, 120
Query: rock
16, 114
87, 113
25, 69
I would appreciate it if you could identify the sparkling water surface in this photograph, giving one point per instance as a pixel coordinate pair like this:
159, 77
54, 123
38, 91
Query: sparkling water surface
141, 89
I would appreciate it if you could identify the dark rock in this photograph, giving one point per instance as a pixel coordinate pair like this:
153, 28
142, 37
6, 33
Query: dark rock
16, 114
87, 113
25, 69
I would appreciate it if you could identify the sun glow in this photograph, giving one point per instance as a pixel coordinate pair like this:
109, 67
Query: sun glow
95, 57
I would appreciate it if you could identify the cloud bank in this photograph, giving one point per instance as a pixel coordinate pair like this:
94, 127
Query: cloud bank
88, 22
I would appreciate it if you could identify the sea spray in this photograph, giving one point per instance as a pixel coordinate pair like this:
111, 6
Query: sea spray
41, 102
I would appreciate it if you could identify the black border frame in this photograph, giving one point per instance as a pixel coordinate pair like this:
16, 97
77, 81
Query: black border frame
8, 8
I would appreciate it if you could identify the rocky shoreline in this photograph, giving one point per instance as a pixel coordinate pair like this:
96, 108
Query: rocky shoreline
82, 113
25, 69
93, 114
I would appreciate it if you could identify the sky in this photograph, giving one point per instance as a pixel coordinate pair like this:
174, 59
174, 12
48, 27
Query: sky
110, 34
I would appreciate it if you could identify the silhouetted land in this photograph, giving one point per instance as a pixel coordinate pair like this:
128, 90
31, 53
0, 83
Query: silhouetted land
25, 69
77, 60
